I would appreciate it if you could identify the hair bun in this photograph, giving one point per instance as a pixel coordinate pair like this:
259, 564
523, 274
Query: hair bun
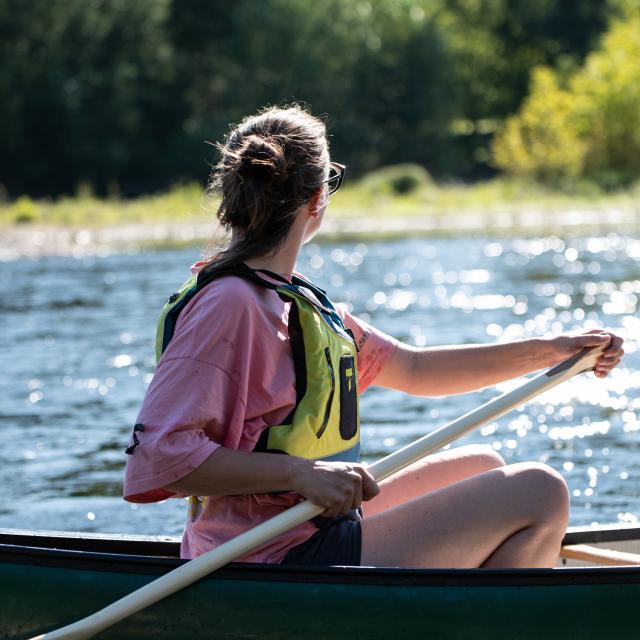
262, 159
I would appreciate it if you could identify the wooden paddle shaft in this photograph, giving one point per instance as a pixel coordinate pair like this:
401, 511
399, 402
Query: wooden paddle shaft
203, 565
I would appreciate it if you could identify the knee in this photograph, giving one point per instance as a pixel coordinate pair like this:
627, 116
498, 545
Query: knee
549, 493
484, 457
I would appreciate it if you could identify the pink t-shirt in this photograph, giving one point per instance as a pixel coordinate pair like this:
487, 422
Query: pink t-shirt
225, 376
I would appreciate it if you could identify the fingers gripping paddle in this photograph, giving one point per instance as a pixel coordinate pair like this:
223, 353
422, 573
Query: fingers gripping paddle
193, 570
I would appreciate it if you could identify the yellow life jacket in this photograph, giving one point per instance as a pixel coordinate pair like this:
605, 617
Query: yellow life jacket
324, 424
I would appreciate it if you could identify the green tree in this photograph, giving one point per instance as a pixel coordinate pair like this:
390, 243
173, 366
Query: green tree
607, 104
590, 128
495, 44
543, 140
121, 95
379, 70
84, 95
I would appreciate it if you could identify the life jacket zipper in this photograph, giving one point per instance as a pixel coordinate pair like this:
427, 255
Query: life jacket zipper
327, 410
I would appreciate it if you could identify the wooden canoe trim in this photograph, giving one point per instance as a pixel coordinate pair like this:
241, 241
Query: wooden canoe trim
597, 555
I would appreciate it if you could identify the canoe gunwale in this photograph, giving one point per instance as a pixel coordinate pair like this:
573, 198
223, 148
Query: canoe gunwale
170, 545
155, 555
604, 533
388, 576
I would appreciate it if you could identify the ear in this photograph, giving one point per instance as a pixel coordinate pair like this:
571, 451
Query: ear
317, 202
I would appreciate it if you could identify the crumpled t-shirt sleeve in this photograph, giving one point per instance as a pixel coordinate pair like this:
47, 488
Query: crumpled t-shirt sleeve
374, 347
196, 400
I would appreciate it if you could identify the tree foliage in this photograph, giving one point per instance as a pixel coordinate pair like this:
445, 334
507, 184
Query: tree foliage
121, 95
588, 128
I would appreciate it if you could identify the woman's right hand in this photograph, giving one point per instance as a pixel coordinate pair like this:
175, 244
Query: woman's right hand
337, 486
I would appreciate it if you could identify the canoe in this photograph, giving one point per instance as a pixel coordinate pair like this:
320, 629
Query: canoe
50, 579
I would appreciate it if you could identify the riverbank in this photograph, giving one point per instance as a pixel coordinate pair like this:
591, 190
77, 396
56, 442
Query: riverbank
34, 241
369, 209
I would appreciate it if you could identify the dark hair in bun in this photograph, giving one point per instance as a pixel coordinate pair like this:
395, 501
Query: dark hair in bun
271, 164
261, 159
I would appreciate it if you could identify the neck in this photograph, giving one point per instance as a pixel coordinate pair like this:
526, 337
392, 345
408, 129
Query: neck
284, 258
276, 264
282, 261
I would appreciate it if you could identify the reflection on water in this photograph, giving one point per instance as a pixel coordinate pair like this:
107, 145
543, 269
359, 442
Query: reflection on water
78, 347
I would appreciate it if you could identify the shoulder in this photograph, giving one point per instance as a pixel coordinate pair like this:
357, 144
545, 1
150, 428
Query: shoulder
229, 303
220, 322
231, 289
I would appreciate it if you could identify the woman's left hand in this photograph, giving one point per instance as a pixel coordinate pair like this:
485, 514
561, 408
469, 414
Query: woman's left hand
566, 346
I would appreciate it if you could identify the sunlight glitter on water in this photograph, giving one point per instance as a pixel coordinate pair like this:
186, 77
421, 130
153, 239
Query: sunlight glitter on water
88, 363
580, 431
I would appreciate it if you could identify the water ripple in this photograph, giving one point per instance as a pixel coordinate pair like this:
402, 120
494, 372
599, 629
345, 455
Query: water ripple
78, 354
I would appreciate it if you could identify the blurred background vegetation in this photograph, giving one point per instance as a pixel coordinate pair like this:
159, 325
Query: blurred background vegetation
116, 98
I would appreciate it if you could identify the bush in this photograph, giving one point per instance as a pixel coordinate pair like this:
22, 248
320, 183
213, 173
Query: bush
542, 141
24, 210
398, 180
591, 128
607, 103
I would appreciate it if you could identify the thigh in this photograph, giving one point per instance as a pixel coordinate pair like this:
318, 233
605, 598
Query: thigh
431, 473
459, 525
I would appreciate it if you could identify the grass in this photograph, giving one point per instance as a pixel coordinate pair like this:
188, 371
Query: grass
179, 203
383, 194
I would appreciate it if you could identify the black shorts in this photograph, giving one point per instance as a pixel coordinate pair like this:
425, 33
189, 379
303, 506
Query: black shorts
337, 542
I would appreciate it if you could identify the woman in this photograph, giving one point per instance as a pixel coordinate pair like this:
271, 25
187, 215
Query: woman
253, 405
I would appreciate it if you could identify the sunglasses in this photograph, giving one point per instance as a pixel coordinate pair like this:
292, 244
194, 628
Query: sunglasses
336, 175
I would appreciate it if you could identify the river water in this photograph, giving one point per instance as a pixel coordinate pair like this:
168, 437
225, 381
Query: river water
77, 354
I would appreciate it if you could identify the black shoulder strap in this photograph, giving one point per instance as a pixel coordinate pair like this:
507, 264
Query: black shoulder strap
271, 274
302, 282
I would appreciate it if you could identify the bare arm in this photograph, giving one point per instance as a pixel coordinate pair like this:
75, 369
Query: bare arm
230, 472
438, 371
337, 486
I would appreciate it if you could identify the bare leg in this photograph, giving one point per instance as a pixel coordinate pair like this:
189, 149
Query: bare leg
431, 473
514, 516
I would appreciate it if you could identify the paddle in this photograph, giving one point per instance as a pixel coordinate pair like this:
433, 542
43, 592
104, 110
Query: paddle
198, 568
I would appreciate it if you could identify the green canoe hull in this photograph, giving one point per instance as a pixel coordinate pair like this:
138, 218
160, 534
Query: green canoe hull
43, 588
